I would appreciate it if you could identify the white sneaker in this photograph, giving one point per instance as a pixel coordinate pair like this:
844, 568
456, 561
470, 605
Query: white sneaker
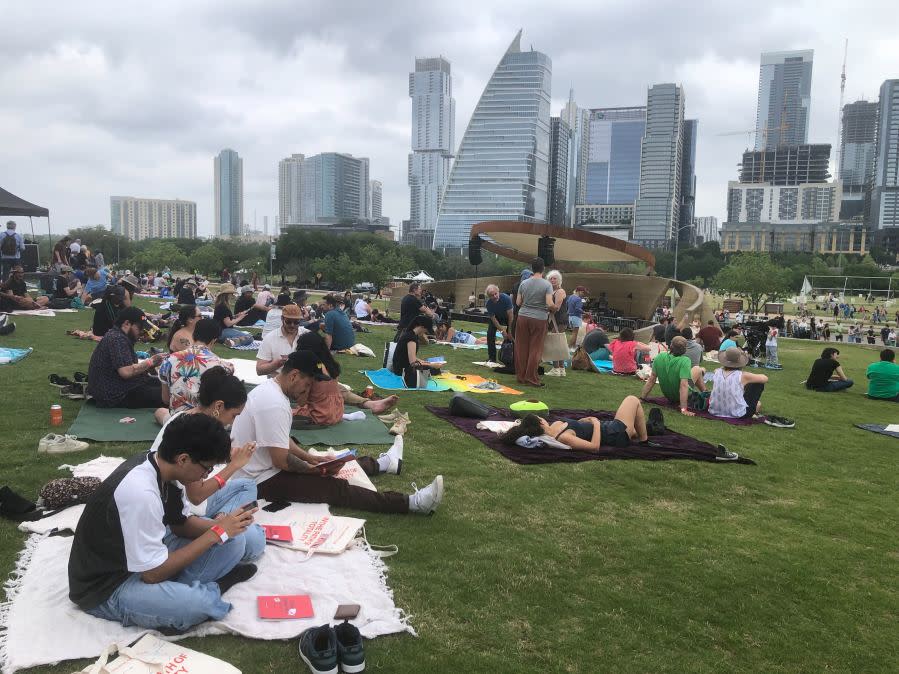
60, 444
425, 501
394, 457
554, 372
563, 372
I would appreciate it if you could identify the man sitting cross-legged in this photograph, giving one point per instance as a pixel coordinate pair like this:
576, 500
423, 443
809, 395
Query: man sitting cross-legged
675, 375
139, 557
14, 292
284, 471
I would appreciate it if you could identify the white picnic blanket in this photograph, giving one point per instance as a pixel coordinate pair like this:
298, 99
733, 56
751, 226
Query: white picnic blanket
245, 370
49, 313
37, 597
458, 345
487, 363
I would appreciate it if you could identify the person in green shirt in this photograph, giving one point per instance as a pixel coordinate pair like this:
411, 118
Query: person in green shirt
883, 377
838, 332
675, 375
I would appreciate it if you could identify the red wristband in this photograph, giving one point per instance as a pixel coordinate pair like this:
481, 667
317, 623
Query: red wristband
218, 531
219, 479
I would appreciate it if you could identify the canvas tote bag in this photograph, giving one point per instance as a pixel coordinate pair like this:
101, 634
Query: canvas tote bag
555, 346
150, 655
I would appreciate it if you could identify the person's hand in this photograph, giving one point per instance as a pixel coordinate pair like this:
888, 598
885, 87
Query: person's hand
315, 459
157, 358
279, 362
686, 412
235, 523
240, 456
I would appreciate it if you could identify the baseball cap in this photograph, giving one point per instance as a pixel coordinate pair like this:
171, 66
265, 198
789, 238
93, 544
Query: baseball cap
266, 287
246, 289
580, 289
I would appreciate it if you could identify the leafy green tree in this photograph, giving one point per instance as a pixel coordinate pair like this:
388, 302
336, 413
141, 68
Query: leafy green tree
755, 277
101, 239
159, 255
208, 259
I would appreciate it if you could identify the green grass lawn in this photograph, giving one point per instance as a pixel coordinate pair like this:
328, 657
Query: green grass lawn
791, 565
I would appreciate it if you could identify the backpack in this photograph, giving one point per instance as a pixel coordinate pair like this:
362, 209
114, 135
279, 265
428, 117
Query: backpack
698, 401
9, 247
461, 405
507, 353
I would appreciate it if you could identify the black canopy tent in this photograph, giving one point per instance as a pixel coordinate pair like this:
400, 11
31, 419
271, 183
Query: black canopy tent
10, 204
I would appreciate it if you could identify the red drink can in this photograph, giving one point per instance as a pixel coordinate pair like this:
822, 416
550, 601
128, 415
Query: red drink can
55, 415
368, 392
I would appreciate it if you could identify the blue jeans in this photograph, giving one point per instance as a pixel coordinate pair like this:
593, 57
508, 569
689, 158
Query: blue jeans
233, 495
239, 336
186, 600
836, 385
204, 303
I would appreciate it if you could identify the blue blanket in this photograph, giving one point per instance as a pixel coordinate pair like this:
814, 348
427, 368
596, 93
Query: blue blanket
10, 356
385, 379
603, 365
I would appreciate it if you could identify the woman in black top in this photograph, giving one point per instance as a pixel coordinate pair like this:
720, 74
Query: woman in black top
405, 358
230, 336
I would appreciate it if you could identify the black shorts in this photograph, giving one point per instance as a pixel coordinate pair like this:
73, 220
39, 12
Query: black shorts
613, 434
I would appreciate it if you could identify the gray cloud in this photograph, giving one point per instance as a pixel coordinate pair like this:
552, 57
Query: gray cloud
109, 99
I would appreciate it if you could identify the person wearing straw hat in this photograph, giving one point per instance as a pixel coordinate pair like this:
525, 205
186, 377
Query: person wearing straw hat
735, 392
231, 336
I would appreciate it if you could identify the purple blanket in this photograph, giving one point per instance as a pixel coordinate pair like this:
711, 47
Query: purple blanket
671, 445
661, 401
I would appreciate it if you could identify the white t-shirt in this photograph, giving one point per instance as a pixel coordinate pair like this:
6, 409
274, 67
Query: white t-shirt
361, 308
265, 420
75, 248
275, 344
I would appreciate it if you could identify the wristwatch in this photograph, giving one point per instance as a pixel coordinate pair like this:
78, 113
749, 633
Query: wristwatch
218, 531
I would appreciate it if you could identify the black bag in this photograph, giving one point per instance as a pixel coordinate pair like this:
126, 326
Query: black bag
10, 245
507, 353
463, 406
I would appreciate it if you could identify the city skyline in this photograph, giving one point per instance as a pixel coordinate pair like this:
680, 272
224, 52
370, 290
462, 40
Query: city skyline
244, 100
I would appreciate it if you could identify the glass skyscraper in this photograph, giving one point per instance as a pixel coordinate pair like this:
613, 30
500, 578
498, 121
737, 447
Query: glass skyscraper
560, 146
857, 142
686, 227
433, 142
228, 193
613, 163
502, 169
335, 187
290, 189
885, 189
785, 90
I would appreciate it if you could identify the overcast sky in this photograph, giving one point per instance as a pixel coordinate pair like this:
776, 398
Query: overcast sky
105, 99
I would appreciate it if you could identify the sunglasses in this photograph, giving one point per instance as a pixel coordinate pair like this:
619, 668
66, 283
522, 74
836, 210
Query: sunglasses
290, 321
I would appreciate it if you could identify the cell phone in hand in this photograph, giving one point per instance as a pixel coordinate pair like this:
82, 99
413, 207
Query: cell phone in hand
249, 506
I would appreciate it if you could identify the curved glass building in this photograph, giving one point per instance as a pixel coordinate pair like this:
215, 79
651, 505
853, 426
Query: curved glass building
501, 171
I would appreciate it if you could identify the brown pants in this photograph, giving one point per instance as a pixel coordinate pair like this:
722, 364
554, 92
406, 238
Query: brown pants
332, 490
530, 334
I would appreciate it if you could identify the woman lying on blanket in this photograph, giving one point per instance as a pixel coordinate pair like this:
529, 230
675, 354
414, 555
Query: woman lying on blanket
325, 405
447, 333
587, 434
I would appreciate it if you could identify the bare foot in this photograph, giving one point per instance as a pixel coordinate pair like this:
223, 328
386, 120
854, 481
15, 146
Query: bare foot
380, 406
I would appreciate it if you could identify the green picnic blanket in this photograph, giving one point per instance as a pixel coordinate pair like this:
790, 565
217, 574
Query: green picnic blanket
102, 424
368, 431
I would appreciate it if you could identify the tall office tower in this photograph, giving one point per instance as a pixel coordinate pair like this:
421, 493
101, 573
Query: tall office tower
613, 160
578, 120
138, 219
857, 142
291, 172
559, 147
787, 165
705, 229
785, 89
657, 211
685, 228
884, 210
433, 142
265, 225
228, 193
335, 187
375, 193
502, 169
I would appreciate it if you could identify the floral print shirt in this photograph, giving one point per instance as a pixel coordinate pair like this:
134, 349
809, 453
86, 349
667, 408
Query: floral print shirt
181, 372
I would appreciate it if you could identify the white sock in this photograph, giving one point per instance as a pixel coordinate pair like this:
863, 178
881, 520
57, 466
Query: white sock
358, 415
383, 463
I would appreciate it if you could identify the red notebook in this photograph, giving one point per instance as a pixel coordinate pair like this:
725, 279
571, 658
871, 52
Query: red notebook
285, 607
276, 532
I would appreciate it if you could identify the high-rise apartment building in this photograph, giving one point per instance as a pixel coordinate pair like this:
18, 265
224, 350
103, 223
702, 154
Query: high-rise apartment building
578, 120
657, 212
433, 143
613, 159
228, 170
685, 228
705, 229
291, 172
559, 147
884, 208
785, 89
857, 147
502, 169
375, 189
138, 219
335, 187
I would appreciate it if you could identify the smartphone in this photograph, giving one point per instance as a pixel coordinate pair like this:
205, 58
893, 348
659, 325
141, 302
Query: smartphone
347, 611
275, 506
250, 506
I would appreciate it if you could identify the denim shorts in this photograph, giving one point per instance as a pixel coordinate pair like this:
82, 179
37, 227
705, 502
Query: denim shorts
613, 433
575, 322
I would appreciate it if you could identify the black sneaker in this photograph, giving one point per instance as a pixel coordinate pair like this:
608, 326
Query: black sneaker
779, 422
724, 454
655, 423
318, 648
73, 392
7, 328
350, 652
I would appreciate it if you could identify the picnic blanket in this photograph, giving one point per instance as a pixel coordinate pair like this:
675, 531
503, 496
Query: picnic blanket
468, 384
48, 313
386, 379
252, 346
877, 428
245, 370
603, 365
102, 424
368, 431
9, 356
662, 401
671, 445
457, 345
42, 626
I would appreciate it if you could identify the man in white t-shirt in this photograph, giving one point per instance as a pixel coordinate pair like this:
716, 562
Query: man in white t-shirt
284, 471
279, 344
362, 309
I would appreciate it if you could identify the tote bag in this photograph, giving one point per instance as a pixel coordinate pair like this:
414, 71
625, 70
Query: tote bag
555, 346
150, 655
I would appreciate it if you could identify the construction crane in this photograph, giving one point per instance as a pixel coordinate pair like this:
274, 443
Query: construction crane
839, 171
